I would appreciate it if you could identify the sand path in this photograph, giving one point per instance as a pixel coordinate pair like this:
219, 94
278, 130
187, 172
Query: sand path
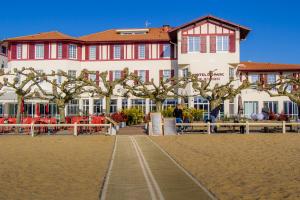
140, 169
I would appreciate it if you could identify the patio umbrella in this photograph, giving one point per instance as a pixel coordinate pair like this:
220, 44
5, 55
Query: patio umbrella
37, 110
47, 109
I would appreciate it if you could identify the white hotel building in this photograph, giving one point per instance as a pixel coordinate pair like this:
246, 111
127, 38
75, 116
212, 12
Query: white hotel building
207, 43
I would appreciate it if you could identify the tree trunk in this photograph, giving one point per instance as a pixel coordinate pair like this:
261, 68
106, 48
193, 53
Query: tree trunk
62, 114
158, 106
107, 105
19, 109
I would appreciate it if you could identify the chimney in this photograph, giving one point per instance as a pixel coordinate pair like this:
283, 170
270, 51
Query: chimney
166, 28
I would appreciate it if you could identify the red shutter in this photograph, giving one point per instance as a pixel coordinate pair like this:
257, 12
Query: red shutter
13, 51
232, 43
203, 44
172, 49
111, 52
161, 50
79, 52
147, 51
265, 80
122, 52
161, 75
46, 50
31, 51
97, 78
184, 44
110, 75
97, 52
147, 76
136, 74
87, 52
64, 50
212, 44
136, 51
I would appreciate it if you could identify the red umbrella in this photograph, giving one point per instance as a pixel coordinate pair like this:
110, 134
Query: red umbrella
37, 110
47, 109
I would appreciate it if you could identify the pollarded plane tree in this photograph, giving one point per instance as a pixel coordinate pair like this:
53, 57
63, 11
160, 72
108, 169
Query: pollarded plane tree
104, 85
216, 93
64, 88
287, 85
22, 81
165, 89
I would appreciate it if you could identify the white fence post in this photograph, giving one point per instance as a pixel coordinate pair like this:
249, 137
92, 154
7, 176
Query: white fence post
32, 129
208, 127
283, 127
247, 127
75, 129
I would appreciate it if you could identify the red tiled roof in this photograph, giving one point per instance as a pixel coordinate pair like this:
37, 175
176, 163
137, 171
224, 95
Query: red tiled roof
243, 30
53, 35
260, 67
154, 34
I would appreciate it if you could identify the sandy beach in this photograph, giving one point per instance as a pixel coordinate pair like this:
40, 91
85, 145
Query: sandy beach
260, 166
53, 167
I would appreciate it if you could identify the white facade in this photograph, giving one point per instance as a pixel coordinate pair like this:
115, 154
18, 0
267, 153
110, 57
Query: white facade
203, 45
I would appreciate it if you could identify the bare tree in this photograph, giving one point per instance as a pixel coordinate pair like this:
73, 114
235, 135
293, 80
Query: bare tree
216, 94
165, 89
22, 81
63, 91
104, 86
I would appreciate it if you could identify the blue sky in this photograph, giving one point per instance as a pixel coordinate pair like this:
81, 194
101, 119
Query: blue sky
275, 24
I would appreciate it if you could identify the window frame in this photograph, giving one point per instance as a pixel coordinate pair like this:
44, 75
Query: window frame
117, 54
166, 48
72, 51
196, 47
92, 52
220, 40
59, 50
39, 53
19, 51
142, 51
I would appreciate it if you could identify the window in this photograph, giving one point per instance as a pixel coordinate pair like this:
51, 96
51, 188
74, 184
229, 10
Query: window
29, 109
92, 77
12, 109
1, 109
39, 51
231, 73
117, 52
73, 107
72, 51
72, 73
202, 104
3, 50
194, 44
272, 106
250, 108
167, 50
98, 106
231, 107
254, 78
113, 105
142, 75
271, 78
166, 74
169, 103
139, 104
142, 51
53, 109
92, 53
185, 72
59, 50
124, 103
222, 43
152, 105
290, 109
117, 75
86, 106
19, 51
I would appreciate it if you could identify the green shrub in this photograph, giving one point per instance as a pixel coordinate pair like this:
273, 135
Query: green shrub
197, 114
168, 112
134, 116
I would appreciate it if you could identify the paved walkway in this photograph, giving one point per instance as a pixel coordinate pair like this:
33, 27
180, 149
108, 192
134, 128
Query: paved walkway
132, 130
140, 169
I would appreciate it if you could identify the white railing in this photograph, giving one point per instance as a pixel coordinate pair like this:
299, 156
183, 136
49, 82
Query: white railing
246, 125
75, 127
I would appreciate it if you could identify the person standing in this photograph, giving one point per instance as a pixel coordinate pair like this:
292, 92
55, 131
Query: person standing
178, 114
